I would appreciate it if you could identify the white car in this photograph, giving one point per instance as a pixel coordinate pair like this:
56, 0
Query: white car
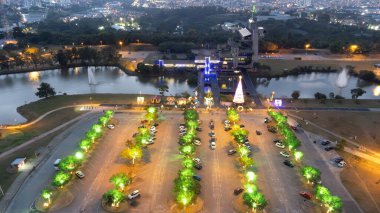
341, 164
197, 160
79, 174
111, 126
212, 145
153, 128
153, 131
280, 145
285, 154
134, 195
226, 121
197, 142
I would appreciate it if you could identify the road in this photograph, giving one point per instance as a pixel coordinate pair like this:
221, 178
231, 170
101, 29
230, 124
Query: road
279, 183
321, 159
44, 173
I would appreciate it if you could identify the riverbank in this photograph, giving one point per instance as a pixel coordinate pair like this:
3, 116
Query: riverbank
122, 64
275, 68
35, 109
331, 103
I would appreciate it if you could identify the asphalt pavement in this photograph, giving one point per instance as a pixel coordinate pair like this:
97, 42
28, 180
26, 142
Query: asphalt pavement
42, 176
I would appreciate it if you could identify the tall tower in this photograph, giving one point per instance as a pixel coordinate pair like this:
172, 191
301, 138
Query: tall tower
255, 36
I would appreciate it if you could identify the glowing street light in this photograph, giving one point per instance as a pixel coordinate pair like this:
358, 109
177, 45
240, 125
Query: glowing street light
121, 44
79, 155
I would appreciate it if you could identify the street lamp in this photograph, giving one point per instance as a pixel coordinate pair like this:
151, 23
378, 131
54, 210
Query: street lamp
307, 46
121, 44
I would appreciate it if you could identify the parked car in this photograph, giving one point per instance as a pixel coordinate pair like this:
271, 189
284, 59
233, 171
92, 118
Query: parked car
325, 143
213, 145
285, 154
111, 126
288, 163
341, 164
277, 141
198, 166
238, 191
197, 160
242, 125
329, 148
79, 174
266, 120
199, 129
197, 142
306, 195
134, 195
280, 145
338, 159
258, 132
56, 164
197, 177
231, 151
227, 129
272, 129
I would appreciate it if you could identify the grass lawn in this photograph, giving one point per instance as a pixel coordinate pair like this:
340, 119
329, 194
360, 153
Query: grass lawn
278, 66
40, 107
12, 138
346, 103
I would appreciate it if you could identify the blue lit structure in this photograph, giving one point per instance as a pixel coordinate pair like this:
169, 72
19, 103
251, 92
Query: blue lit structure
207, 66
161, 63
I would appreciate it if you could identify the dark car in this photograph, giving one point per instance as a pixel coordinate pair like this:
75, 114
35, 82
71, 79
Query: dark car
197, 177
288, 163
272, 129
212, 126
258, 132
199, 129
227, 129
338, 160
237, 191
198, 166
306, 195
329, 148
155, 124
277, 141
242, 125
231, 151
266, 120
325, 143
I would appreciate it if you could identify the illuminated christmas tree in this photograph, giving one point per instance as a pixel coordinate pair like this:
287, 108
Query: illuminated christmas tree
239, 95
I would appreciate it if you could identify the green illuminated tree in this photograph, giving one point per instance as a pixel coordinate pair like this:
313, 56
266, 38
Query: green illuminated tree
103, 120
255, 200
187, 163
68, 164
120, 180
311, 174
46, 195
61, 178
132, 153
113, 197
85, 144
246, 161
191, 114
233, 115
187, 149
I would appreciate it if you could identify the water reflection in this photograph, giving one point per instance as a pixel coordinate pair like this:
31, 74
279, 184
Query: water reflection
19, 89
376, 91
34, 76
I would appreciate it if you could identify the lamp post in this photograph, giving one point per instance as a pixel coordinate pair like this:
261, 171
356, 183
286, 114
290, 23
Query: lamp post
307, 46
121, 44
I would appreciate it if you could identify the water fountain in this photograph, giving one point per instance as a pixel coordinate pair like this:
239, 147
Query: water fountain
91, 76
342, 80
